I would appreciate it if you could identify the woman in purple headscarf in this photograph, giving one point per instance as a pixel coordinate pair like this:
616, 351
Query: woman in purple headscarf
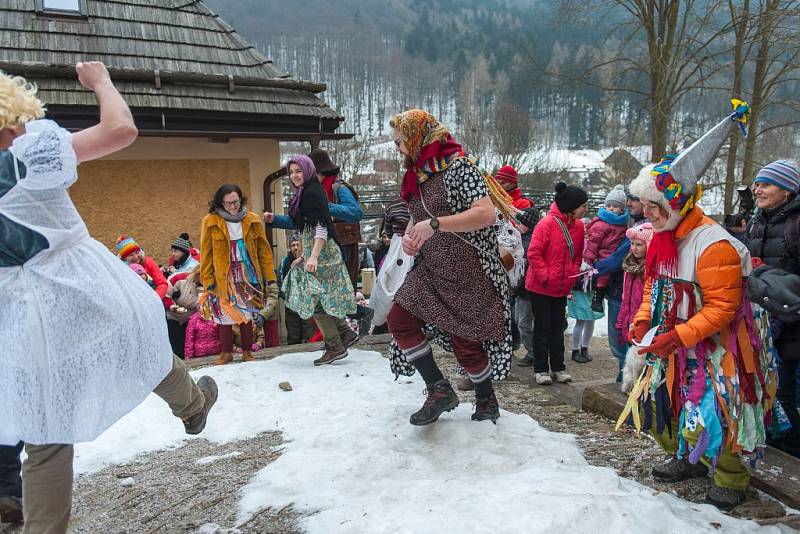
317, 284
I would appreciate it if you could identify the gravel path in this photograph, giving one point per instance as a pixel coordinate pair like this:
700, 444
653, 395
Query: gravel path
196, 488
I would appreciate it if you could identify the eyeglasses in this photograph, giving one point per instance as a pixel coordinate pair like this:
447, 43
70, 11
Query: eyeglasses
233, 204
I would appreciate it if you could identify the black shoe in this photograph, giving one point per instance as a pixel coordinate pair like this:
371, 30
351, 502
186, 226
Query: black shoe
724, 498
525, 362
585, 354
486, 409
676, 470
441, 398
576, 355
194, 424
10, 509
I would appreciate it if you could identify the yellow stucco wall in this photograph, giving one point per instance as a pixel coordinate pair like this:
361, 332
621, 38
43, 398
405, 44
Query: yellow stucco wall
152, 201
159, 187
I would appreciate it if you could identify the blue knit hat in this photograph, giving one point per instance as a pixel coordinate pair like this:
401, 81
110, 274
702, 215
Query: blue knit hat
782, 173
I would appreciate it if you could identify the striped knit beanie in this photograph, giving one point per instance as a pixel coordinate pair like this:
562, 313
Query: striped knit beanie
182, 243
506, 174
126, 246
782, 173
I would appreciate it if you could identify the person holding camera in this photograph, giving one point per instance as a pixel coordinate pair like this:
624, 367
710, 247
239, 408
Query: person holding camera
774, 237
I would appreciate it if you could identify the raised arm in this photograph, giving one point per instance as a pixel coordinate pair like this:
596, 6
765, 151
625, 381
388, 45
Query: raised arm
116, 128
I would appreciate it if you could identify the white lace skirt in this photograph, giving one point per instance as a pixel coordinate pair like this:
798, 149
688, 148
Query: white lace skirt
84, 341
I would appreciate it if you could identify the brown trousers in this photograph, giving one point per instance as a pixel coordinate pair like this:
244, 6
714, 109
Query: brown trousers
47, 473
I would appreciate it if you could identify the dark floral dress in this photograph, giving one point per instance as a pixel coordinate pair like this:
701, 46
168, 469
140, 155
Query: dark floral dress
458, 285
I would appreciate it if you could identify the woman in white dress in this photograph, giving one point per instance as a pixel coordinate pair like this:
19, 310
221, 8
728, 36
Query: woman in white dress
84, 340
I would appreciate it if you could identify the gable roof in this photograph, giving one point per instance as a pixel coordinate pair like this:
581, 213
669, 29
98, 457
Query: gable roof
181, 68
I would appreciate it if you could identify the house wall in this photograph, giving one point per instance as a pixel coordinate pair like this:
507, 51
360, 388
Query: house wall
159, 187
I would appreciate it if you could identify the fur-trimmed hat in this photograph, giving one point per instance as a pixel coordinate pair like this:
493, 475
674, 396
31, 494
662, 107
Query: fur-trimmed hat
672, 183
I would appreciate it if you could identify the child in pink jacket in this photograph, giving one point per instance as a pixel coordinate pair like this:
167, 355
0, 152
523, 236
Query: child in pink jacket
202, 338
632, 293
603, 236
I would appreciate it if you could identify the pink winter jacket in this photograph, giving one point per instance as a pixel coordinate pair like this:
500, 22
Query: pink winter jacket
202, 338
632, 293
602, 239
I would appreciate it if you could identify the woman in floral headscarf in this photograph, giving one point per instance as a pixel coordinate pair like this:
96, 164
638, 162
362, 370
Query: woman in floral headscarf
457, 290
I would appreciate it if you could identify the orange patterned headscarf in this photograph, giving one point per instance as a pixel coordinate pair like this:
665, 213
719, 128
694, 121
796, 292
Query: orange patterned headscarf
417, 129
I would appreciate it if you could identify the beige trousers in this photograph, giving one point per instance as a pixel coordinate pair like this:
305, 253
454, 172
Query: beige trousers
47, 473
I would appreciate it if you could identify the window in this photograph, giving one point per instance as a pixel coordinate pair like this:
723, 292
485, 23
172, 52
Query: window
62, 7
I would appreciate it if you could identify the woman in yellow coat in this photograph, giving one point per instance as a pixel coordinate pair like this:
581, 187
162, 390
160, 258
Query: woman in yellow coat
236, 269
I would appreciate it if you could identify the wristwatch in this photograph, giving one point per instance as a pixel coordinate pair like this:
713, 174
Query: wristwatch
434, 222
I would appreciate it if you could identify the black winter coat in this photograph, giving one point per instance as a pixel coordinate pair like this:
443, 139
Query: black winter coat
767, 240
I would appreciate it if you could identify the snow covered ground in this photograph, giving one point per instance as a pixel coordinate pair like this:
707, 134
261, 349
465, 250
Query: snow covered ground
353, 463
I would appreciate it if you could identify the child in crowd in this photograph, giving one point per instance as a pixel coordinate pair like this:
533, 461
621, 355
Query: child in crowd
202, 337
603, 236
632, 293
579, 307
183, 294
138, 269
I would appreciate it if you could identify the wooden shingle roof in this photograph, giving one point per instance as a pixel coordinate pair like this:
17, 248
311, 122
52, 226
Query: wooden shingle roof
177, 63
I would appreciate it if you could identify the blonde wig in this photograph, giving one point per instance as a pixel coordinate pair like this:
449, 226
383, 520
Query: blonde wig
18, 102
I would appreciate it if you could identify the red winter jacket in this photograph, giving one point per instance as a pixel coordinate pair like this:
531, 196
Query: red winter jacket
550, 267
152, 269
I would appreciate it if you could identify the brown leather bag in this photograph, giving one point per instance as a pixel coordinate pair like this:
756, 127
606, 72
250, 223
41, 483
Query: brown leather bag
506, 259
347, 233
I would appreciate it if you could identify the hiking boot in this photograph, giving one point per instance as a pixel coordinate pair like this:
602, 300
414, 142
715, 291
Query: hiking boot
543, 379
194, 424
331, 356
10, 509
585, 354
225, 357
486, 409
724, 498
441, 398
676, 470
562, 377
576, 355
464, 384
349, 339
247, 356
525, 362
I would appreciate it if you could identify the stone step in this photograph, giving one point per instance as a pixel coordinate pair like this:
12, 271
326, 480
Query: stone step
378, 343
777, 475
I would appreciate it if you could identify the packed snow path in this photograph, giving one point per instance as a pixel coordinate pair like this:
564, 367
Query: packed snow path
352, 463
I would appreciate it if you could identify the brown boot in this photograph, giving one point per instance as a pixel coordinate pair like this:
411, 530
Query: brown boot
247, 356
331, 356
224, 357
194, 424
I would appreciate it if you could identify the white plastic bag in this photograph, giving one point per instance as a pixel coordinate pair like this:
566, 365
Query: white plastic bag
396, 265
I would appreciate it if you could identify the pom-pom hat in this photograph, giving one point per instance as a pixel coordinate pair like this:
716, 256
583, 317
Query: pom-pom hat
126, 246
569, 197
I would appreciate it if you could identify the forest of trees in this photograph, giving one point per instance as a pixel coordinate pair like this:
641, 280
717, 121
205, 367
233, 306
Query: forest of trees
513, 75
